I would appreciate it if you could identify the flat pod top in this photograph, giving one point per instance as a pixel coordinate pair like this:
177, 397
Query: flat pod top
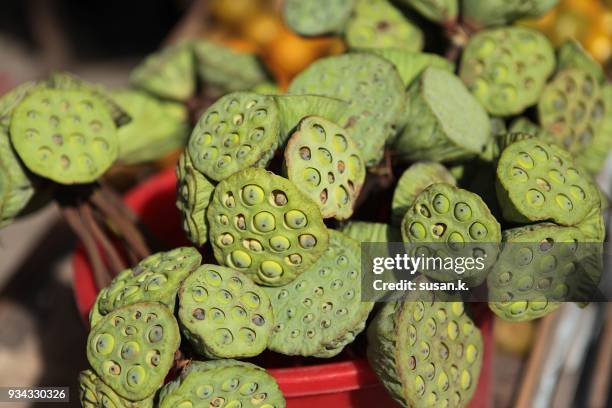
373, 89
262, 225
239, 130
323, 161
538, 181
506, 68
132, 348
316, 17
227, 383
155, 278
67, 136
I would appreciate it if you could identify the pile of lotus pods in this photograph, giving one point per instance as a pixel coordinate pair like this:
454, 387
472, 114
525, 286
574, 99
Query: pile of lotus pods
499, 146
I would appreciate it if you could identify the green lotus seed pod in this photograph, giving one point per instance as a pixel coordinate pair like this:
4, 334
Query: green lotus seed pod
132, 348
94, 393
323, 161
95, 315
363, 231
68, 81
16, 188
524, 125
479, 13
87, 389
593, 226
67, 136
443, 120
168, 73
538, 181
452, 216
238, 131
157, 127
321, 311
506, 68
373, 89
316, 17
498, 130
439, 11
293, 108
540, 267
262, 225
572, 109
412, 182
226, 69
378, 24
194, 192
10, 100
571, 54
224, 314
426, 353
267, 88
593, 158
502, 141
227, 383
155, 279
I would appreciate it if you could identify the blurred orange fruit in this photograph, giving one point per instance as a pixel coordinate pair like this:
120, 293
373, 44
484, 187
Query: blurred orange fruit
262, 28
234, 12
513, 337
599, 44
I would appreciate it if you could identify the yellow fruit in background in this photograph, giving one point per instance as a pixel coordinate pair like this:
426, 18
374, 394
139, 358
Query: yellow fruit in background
599, 44
513, 337
234, 12
262, 28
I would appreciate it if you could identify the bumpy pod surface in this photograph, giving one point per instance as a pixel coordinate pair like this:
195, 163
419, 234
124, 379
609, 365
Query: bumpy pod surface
321, 311
446, 214
501, 12
224, 314
323, 161
194, 192
132, 348
540, 267
572, 109
262, 225
316, 17
443, 120
378, 24
593, 158
155, 279
93, 393
87, 389
426, 353
225, 68
363, 231
239, 130
538, 181
227, 383
439, 11
373, 89
506, 68
10, 100
64, 135
94, 313
501, 141
156, 126
412, 182
168, 73
572, 55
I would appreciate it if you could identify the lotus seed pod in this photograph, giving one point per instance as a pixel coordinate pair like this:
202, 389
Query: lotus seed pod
16, 188
506, 68
378, 24
540, 267
316, 17
498, 130
439, 11
412, 182
593, 158
293, 108
363, 231
323, 161
267, 88
194, 192
94, 393
10, 100
524, 125
95, 315
227, 383
132, 348
67, 136
426, 352
373, 89
226, 69
87, 389
444, 214
238, 131
443, 120
168, 73
571, 54
157, 127
224, 314
502, 12
572, 109
262, 225
155, 279
68, 81
502, 141
321, 311
593, 226
538, 181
